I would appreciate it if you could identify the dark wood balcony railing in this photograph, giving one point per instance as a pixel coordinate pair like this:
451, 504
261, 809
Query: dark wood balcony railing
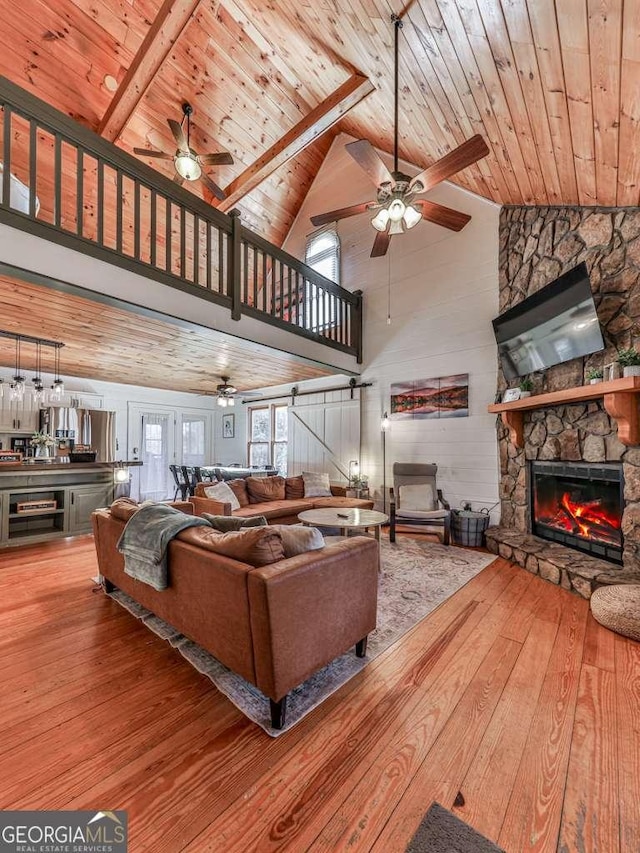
87, 194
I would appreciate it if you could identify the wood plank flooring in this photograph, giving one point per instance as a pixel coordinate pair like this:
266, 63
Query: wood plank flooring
509, 705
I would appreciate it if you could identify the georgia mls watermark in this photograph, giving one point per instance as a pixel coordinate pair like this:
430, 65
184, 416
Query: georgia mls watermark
63, 832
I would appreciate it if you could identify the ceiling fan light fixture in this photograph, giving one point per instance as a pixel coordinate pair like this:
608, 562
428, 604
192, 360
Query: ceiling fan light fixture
381, 219
411, 216
187, 166
223, 402
396, 210
396, 227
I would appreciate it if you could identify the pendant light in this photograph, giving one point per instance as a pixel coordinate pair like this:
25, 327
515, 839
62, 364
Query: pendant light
57, 389
17, 386
38, 386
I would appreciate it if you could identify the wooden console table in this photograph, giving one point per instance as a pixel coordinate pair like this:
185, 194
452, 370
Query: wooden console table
620, 397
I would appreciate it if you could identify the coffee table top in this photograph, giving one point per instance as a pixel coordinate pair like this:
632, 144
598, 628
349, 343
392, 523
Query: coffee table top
328, 517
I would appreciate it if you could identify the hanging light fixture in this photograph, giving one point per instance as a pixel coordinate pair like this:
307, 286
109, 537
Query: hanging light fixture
38, 386
397, 216
17, 386
57, 389
186, 162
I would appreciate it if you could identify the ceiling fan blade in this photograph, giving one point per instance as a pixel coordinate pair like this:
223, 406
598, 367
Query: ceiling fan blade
368, 159
380, 244
213, 187
146, 152
342, 213
464, 155
178, 135
221, 159
441, 215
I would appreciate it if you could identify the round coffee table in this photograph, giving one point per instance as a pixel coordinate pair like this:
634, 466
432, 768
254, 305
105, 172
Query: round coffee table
346, 519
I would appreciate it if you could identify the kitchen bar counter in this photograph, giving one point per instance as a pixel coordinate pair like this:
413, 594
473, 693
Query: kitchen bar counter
45, 500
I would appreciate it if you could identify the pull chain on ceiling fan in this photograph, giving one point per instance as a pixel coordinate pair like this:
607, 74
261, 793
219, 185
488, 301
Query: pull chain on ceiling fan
398, 208
187, 162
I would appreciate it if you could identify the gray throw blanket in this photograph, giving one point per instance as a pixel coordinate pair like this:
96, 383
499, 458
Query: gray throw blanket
145, 539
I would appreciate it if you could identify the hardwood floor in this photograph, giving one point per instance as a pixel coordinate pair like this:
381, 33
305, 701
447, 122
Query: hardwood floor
509, 705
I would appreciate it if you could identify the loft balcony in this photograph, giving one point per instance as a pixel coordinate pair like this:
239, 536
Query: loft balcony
63, 183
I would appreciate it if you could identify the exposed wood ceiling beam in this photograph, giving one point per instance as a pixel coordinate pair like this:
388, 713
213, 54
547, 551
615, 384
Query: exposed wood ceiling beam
308, 129
173, 16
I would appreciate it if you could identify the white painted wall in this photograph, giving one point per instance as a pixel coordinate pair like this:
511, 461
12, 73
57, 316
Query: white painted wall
442, 289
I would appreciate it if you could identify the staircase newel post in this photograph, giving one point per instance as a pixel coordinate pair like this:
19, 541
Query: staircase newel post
234, 270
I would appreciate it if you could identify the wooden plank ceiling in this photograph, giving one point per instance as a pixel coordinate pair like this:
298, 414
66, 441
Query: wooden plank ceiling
112, 344
551, 86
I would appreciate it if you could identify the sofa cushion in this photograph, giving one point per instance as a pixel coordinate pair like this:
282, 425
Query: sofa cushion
256, 546
239, 488
262, 489
297, 539
316, 485
294, 488
221, 492
338, 503
228, 523
274, 509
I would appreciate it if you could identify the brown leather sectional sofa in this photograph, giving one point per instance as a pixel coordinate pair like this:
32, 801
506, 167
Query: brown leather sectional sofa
278, 499
274, 624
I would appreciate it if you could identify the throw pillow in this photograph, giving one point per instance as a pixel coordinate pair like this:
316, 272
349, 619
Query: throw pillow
262, 489
256, 546
418, 498
297, 539
239, 488
316, 485
124, 508
294, 488
228, 523
221, 492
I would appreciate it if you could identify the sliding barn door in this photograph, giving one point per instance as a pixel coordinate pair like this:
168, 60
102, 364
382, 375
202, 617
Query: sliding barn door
324, 433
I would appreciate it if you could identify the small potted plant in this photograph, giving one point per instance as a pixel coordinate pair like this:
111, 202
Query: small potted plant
629, 360
42, 443
594, 375
526, 386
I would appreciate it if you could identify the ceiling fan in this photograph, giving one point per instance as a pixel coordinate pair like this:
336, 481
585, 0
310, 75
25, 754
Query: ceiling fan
188, 164
225, 393
396, 201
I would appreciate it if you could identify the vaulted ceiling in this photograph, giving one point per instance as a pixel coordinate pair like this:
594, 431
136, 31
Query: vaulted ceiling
553, 87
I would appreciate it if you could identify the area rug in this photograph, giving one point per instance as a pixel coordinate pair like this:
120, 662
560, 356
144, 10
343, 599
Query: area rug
442, 832
415, 577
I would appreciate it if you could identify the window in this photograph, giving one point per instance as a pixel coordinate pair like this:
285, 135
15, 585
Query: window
268, 437
323, 255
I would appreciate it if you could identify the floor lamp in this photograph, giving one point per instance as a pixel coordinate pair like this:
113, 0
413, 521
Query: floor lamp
385, 423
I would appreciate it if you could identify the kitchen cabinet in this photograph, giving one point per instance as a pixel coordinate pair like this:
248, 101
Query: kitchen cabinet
82, 501
20, 417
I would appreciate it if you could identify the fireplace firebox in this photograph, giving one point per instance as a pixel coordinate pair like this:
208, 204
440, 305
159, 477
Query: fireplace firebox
579, 505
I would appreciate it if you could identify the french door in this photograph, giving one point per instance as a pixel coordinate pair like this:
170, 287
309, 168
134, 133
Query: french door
156, 454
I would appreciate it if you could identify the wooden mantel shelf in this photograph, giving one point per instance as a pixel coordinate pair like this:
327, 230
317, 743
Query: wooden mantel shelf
620, 398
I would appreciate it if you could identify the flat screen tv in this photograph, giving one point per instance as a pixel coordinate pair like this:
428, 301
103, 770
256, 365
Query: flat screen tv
555, 324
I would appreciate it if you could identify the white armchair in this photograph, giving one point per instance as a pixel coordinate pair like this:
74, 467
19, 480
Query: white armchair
416, 499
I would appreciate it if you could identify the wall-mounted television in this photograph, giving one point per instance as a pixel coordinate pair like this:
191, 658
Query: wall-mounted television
554, 325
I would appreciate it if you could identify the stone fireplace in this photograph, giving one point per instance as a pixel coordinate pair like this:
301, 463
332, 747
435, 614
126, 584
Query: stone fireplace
536, 246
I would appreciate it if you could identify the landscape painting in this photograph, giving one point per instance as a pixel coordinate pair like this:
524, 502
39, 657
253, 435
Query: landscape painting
443, 397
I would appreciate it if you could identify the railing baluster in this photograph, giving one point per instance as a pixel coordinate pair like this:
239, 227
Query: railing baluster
183, 248
245, 272
264, 281
196, 249
119, 211
255, 277
289, 301
33, 181
57, 181
208, 228
168, 235
221, 273
100, 203
6, 158
79, 189
136, 220
153, 234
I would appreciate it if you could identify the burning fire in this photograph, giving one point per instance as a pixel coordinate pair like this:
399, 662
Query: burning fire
587, 519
